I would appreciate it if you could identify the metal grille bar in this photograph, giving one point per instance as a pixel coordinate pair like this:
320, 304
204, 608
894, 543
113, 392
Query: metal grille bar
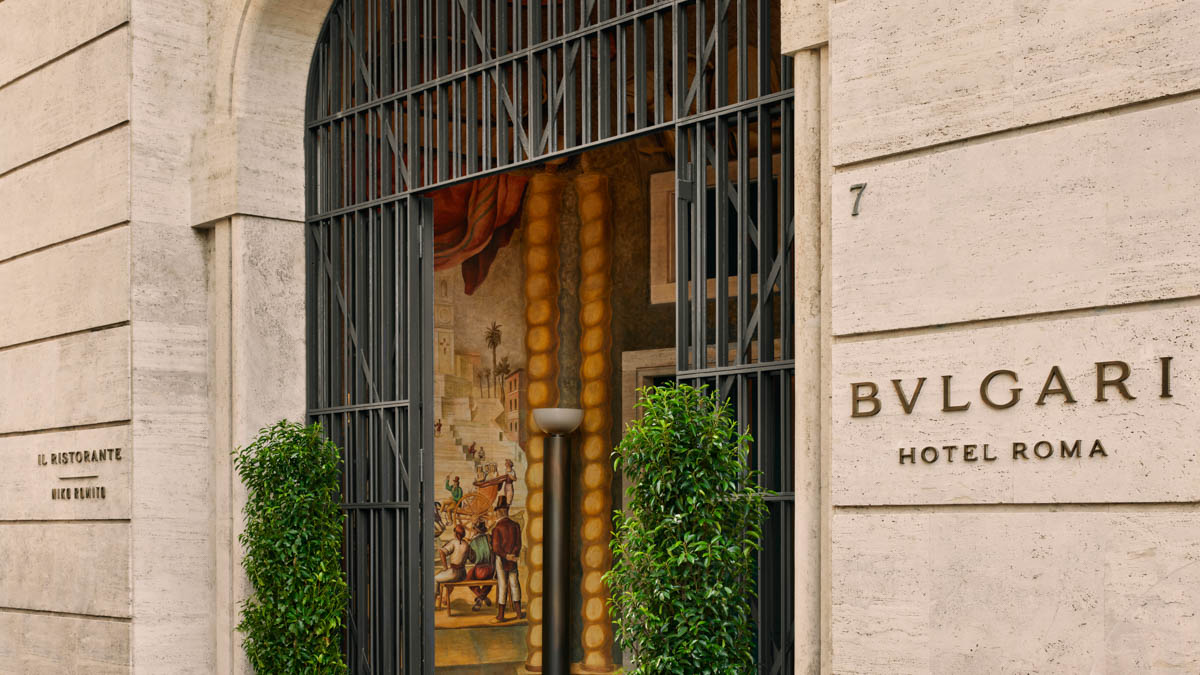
735, 290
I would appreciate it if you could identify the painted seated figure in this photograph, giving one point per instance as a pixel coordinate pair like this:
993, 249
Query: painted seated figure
480, 553
454, 559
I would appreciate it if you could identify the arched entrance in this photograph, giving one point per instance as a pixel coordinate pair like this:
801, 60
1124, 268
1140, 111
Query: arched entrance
409, 95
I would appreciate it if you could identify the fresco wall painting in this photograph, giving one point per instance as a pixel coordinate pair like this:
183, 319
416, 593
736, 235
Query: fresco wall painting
525, 318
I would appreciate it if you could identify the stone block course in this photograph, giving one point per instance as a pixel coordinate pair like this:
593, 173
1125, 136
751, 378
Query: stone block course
1084, 214
48, 644
1149, 442
76, 380
1030, 591
26, 45
906, 76
81, 94
67, 194
28, 487
76, 286
71, 567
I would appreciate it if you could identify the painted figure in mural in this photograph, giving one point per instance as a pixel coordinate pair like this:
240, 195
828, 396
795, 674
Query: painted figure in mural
510, 480
439, 523
506, 481
506, 545
480, 553
455, 490
454, 559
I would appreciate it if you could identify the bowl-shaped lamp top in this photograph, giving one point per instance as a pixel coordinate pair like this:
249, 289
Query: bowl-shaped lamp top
557, 420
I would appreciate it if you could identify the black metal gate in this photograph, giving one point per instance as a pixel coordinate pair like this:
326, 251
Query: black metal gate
735, 326
405, 95
368, 312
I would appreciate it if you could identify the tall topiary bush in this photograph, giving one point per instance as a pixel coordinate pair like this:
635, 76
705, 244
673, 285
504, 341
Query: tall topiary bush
684, 554
293, 544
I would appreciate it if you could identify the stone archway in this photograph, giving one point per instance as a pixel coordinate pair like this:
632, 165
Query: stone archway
247, 193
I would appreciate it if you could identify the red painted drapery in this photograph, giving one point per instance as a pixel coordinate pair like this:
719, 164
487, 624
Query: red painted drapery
472, 221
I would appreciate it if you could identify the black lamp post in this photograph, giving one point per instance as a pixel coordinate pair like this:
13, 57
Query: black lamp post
557, 423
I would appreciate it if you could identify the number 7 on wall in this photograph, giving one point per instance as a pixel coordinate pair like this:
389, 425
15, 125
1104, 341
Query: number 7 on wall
859, 188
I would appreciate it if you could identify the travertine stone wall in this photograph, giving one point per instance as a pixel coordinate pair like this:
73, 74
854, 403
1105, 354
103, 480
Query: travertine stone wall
1026, 171
113, 474
804, 25
92, 581
95, 77
75, 286
173, 544
65, 336
812, 339
1078, 213
40, 643
27, 42
217, 289
1144, 456
65, 382
1029, 172
907, 78
70, 193
1031, 590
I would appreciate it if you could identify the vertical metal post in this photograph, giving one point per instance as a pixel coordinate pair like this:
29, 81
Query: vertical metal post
422, 229
554, 626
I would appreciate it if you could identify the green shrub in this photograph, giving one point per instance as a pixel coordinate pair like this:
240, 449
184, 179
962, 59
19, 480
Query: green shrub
293, 543
684, 555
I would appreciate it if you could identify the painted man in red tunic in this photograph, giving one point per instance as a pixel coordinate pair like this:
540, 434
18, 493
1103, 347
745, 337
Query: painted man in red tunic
506, 545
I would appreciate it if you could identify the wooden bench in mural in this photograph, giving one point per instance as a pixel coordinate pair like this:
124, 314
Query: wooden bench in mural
449, 587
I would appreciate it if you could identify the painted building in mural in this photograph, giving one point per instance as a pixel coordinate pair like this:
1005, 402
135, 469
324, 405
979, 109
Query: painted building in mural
938, 256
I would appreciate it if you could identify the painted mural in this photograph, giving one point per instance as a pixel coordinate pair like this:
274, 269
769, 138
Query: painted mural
529, 313
480, 461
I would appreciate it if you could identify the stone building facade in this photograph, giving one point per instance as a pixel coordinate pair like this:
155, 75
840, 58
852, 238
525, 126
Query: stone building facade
991, 197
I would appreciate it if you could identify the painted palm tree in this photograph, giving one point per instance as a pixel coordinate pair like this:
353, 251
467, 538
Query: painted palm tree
502, 370
492, 337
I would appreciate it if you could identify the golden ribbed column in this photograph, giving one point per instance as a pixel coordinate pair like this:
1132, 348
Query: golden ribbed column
595, 345
543, 199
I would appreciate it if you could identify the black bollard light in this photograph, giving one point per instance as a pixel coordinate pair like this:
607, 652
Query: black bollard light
556, 423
